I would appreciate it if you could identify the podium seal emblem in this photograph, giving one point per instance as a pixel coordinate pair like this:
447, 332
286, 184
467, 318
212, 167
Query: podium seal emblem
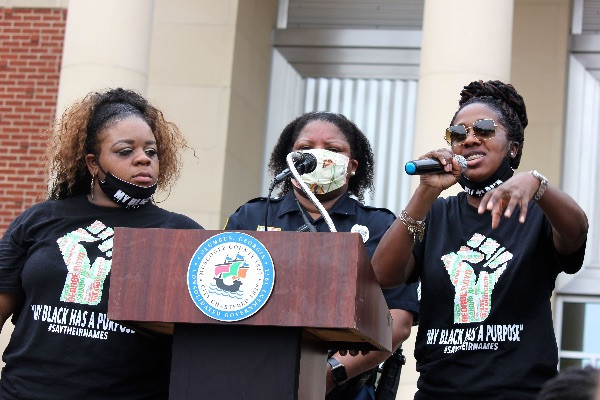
231, 276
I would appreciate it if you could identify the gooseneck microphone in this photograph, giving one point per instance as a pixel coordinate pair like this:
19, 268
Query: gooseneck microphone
299, 164
303, 162
431, 166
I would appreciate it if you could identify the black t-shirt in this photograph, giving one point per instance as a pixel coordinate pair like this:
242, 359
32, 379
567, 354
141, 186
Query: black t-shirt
485, 326
348, 215
58, 254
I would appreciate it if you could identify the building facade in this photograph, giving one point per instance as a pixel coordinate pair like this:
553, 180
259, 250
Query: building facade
232, 73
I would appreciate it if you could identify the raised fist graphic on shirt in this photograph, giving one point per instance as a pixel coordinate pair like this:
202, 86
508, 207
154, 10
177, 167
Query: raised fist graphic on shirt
472, 293
85, 279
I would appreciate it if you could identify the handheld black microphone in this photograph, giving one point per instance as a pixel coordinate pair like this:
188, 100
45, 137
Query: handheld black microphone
431, 166
304, 163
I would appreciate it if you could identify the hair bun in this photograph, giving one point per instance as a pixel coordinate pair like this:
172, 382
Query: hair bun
503, 92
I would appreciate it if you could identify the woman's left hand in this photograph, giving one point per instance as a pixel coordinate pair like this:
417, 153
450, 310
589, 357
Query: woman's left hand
515, 192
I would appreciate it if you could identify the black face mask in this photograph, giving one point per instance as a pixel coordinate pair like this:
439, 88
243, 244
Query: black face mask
124, 193
479, 189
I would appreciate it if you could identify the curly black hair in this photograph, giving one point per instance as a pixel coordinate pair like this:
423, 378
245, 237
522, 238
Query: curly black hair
506, 102
360, 149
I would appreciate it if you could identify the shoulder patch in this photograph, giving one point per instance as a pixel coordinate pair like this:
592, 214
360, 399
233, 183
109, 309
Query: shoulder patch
376, 208
262, 198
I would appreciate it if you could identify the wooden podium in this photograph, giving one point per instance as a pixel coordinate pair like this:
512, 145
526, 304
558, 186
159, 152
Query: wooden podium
325, 296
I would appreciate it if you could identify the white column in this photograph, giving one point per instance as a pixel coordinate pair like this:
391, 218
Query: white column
107, 44
463, 40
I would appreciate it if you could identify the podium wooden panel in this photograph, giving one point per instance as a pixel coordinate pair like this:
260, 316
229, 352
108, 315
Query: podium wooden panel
325, 297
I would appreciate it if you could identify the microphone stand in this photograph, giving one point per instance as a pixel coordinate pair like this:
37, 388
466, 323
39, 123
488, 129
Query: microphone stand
306, 190
310, 194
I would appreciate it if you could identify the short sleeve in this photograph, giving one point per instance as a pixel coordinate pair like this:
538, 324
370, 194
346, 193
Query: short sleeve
13, 251
403, 297
568, 263
243, 218
234, 222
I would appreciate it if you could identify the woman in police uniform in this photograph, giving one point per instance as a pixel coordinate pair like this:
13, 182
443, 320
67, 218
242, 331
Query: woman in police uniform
344, 168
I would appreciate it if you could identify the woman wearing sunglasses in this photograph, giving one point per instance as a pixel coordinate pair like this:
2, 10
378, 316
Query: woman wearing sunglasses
487, 258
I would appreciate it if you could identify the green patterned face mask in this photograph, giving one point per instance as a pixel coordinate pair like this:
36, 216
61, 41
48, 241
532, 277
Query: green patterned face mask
330, 173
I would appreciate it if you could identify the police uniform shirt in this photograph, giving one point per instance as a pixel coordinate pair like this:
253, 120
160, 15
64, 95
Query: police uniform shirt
347, 214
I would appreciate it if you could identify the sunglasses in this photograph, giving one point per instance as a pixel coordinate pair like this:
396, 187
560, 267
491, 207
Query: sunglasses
483, 129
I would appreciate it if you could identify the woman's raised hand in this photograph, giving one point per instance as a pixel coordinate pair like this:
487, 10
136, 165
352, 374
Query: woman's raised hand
503, 200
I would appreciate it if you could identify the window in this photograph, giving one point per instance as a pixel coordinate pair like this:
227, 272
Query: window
577, 327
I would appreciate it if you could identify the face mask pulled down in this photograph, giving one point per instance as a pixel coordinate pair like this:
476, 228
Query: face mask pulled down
479, 189
124, 193
330, 173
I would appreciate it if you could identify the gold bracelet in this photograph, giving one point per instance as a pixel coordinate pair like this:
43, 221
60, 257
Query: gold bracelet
415, 228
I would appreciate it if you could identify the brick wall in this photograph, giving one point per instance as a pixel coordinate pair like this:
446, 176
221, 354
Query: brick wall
31, 44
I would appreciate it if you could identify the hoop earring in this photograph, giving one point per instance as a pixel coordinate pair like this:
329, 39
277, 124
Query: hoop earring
92, 188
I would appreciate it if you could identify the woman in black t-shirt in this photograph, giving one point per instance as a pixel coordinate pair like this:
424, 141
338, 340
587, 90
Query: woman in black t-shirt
487, 258
110, 151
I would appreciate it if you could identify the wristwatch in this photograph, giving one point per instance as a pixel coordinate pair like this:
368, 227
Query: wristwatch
338, 371
543, 184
